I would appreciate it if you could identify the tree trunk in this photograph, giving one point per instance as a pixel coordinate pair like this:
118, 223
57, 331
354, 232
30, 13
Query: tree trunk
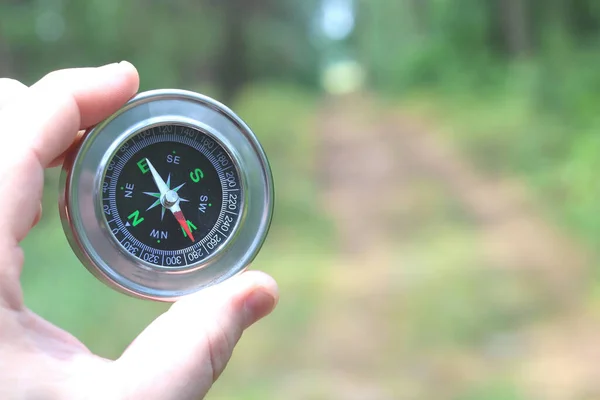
515, 17
420, 9
231, 65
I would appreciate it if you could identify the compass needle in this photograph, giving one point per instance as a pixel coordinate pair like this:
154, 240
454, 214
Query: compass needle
215, 182
178, 187
161, 185
183, 222
156, 203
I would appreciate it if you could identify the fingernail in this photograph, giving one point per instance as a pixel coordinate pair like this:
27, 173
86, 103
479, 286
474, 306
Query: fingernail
258, 305
125, 63
109, 66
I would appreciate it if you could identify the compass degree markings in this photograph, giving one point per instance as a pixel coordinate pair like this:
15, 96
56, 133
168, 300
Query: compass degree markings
205, 148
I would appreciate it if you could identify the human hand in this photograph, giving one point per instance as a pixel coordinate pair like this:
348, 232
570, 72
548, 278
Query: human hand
180, 354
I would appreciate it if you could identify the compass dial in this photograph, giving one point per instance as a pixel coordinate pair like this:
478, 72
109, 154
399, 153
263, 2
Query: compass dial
171, 196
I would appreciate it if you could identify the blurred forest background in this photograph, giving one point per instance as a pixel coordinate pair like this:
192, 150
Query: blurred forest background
437, 215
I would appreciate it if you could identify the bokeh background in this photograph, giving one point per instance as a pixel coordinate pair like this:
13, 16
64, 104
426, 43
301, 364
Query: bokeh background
437, 210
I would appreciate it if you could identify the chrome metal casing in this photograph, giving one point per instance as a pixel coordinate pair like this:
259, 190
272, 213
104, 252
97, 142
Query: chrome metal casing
80, 195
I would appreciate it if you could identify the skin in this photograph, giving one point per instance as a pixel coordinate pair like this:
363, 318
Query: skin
180, 354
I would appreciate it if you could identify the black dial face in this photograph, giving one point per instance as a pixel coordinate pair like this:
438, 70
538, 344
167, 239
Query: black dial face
171, 196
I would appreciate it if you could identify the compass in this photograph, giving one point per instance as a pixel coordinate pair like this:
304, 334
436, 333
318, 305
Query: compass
171, 194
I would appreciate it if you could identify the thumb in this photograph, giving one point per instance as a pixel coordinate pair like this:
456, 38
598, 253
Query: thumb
182, 353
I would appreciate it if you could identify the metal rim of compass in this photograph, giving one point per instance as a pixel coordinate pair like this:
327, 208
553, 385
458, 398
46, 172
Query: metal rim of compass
80, 206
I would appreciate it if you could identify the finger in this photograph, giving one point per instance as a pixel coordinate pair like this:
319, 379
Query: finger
43, 123
56, 107
38, 216
192, 343
73, 147
10, 89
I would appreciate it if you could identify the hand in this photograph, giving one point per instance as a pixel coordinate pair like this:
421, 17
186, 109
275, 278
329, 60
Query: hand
40, 361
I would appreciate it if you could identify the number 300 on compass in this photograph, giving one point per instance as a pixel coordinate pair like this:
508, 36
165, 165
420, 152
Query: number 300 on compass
169, 195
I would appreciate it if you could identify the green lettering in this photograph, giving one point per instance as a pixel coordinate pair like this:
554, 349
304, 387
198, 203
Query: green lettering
143, 165
191, 226
196, 175
136, 218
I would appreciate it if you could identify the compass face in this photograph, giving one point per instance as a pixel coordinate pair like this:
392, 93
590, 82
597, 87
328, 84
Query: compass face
171, 196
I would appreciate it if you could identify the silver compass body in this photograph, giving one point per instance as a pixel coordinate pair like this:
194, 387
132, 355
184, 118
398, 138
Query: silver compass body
169, 195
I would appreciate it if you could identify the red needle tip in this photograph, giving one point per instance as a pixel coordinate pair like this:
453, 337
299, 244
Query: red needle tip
183, 222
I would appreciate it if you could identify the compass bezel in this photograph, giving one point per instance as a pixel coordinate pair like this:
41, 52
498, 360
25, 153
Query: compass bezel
80, 200
153, 123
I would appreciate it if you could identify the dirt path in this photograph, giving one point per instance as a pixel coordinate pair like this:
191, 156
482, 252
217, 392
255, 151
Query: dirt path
399, 195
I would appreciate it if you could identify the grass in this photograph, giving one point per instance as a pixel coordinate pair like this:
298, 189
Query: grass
495, 389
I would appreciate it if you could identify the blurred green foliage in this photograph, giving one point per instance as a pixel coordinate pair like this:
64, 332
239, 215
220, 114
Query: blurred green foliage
197, 44
496, 390
515, 80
